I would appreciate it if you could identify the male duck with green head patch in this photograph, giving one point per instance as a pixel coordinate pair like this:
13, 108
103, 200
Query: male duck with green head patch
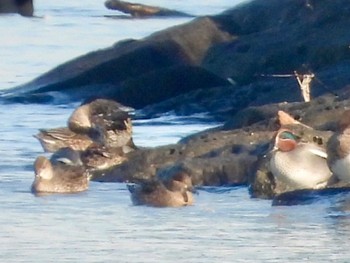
298, 164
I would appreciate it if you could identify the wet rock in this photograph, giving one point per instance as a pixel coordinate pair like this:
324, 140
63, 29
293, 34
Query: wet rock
211, 158
22, 7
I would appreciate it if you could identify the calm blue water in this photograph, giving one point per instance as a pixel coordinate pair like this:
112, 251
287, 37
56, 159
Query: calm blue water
101, 225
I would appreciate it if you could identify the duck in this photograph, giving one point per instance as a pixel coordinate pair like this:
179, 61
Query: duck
338, 149
54, 139
67, 156
94, 158
97, 157
175, 192
58, 177
101, 121
106, 121
298, 164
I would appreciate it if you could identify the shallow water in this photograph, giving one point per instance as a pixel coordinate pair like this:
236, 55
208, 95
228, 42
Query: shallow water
101, 225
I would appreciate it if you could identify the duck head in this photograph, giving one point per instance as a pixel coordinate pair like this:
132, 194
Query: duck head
285, 140
80, 118
43, 168
67, 156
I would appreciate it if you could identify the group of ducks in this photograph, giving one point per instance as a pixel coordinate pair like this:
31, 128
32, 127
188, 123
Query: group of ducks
306, 165
98, 136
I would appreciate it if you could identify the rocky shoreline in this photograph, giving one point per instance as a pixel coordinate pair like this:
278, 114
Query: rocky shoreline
225, 66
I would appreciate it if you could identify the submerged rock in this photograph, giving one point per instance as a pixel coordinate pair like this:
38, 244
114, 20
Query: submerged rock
140, 10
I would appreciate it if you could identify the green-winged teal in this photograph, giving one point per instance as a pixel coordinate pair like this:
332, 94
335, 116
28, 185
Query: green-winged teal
338, 149
97, 157
59, 177
67, 156
175, 192
101, 121
107, 118
94, 158
54, 139
298, 164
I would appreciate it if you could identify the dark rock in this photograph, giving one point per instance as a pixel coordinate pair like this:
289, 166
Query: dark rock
280, 37
22, 7
211, 158
164, 83
108, 72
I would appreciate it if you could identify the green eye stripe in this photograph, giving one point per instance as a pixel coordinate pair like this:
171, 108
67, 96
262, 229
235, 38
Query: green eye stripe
286, 135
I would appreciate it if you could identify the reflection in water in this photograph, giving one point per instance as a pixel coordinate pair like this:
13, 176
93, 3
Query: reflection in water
339, 214
321, 226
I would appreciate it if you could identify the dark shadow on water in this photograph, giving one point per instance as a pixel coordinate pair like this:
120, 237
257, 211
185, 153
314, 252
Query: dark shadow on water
220, 189
84, 193
307, 196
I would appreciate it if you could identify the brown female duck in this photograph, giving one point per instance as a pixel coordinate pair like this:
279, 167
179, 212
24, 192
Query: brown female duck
102, 121
59, 177
174, 192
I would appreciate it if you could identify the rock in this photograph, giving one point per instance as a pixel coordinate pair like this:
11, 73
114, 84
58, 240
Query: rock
211, 158
224, 156
261, 46
231, 45
107, 73
140, 10
156, 86
22, 7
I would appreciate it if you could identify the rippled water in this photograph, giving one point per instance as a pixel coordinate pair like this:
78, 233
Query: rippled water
101, 225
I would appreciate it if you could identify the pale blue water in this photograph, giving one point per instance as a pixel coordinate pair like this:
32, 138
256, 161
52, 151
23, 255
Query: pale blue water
101, 225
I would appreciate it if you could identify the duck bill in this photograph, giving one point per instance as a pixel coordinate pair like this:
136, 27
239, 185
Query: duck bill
193, 190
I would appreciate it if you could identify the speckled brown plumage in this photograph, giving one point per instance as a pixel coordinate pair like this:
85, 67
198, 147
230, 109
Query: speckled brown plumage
174, 192
58, 178
57, 138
